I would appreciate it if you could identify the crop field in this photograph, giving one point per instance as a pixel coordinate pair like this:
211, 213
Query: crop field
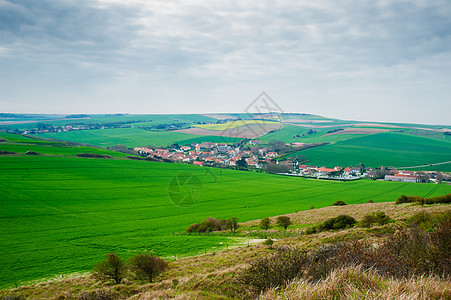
20, 145
383, 149
130, 137
233, 124
63, 214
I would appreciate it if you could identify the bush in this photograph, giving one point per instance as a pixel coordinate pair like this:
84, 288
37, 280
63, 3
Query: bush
112, 268
374, 218
32, 153
93, 155
102, 294
445, 199
265, 223
7, 152
268, 243
274, 270
211, 224
342, 221
146, 267
339, 203
409, 252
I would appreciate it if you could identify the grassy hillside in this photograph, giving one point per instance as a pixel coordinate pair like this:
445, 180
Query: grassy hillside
388, 149
232, 124
61, 214
20, 144
213, 276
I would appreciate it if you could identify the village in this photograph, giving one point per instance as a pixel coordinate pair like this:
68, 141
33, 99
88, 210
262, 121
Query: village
261, 158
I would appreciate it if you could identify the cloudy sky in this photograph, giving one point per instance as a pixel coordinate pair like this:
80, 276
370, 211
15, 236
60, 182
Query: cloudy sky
364, 60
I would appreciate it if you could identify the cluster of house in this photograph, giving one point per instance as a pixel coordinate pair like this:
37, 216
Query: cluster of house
214, 154
207, 153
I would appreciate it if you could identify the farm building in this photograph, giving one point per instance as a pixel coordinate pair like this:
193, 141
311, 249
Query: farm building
254, 142
402, 178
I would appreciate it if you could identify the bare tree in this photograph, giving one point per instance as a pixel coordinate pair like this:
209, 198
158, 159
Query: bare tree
112, 268
147, 267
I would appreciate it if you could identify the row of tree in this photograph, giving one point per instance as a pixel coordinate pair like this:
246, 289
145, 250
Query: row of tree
211, 224
144, 267
282, 221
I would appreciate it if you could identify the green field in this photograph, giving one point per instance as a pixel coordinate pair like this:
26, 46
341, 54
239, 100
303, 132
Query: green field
233, 124
63, 214
383, 149
132, 137
21, 144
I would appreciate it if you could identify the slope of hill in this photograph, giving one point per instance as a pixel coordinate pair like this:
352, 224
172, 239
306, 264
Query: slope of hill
214, 275
62, 213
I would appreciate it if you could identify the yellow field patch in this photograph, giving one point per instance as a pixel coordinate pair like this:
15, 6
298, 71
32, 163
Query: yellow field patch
233, 124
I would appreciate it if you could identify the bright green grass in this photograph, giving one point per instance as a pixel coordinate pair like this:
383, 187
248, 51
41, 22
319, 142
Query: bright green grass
285, 134
233, 124
63, 214
132, 137
148, 120
388, 149
57, 149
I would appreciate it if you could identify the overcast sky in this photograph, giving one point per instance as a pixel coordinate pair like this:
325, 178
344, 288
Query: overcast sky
362, 60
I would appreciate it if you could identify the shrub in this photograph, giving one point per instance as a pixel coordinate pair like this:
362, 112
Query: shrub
265, 223
7, 152
342, 221
193, 228
311, 230
374, 218
371, 201
112, 268
102, 294
32, 153
445, 199
274, 270
269, 243
146, 267
211, 224
93, 155
339, 203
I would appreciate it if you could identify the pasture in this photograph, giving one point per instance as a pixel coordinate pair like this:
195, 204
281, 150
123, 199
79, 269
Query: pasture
132, 137
383, 149
233, 124
63, 214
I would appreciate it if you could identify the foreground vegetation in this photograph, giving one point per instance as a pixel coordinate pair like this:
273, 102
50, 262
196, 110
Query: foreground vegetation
378, 262
57, 208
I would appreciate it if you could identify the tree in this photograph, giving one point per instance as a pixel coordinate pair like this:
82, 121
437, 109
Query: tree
113, 268
147, 267
283, 221
242, 163
439, 177
234, 224
265, 223
300, 157
339, 203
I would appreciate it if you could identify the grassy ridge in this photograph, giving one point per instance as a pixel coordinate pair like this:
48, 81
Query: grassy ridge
233, 124
21, 144
388, 149
61, 214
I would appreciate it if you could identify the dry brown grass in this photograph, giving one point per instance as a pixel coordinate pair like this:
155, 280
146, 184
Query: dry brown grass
355, 283
314, 216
